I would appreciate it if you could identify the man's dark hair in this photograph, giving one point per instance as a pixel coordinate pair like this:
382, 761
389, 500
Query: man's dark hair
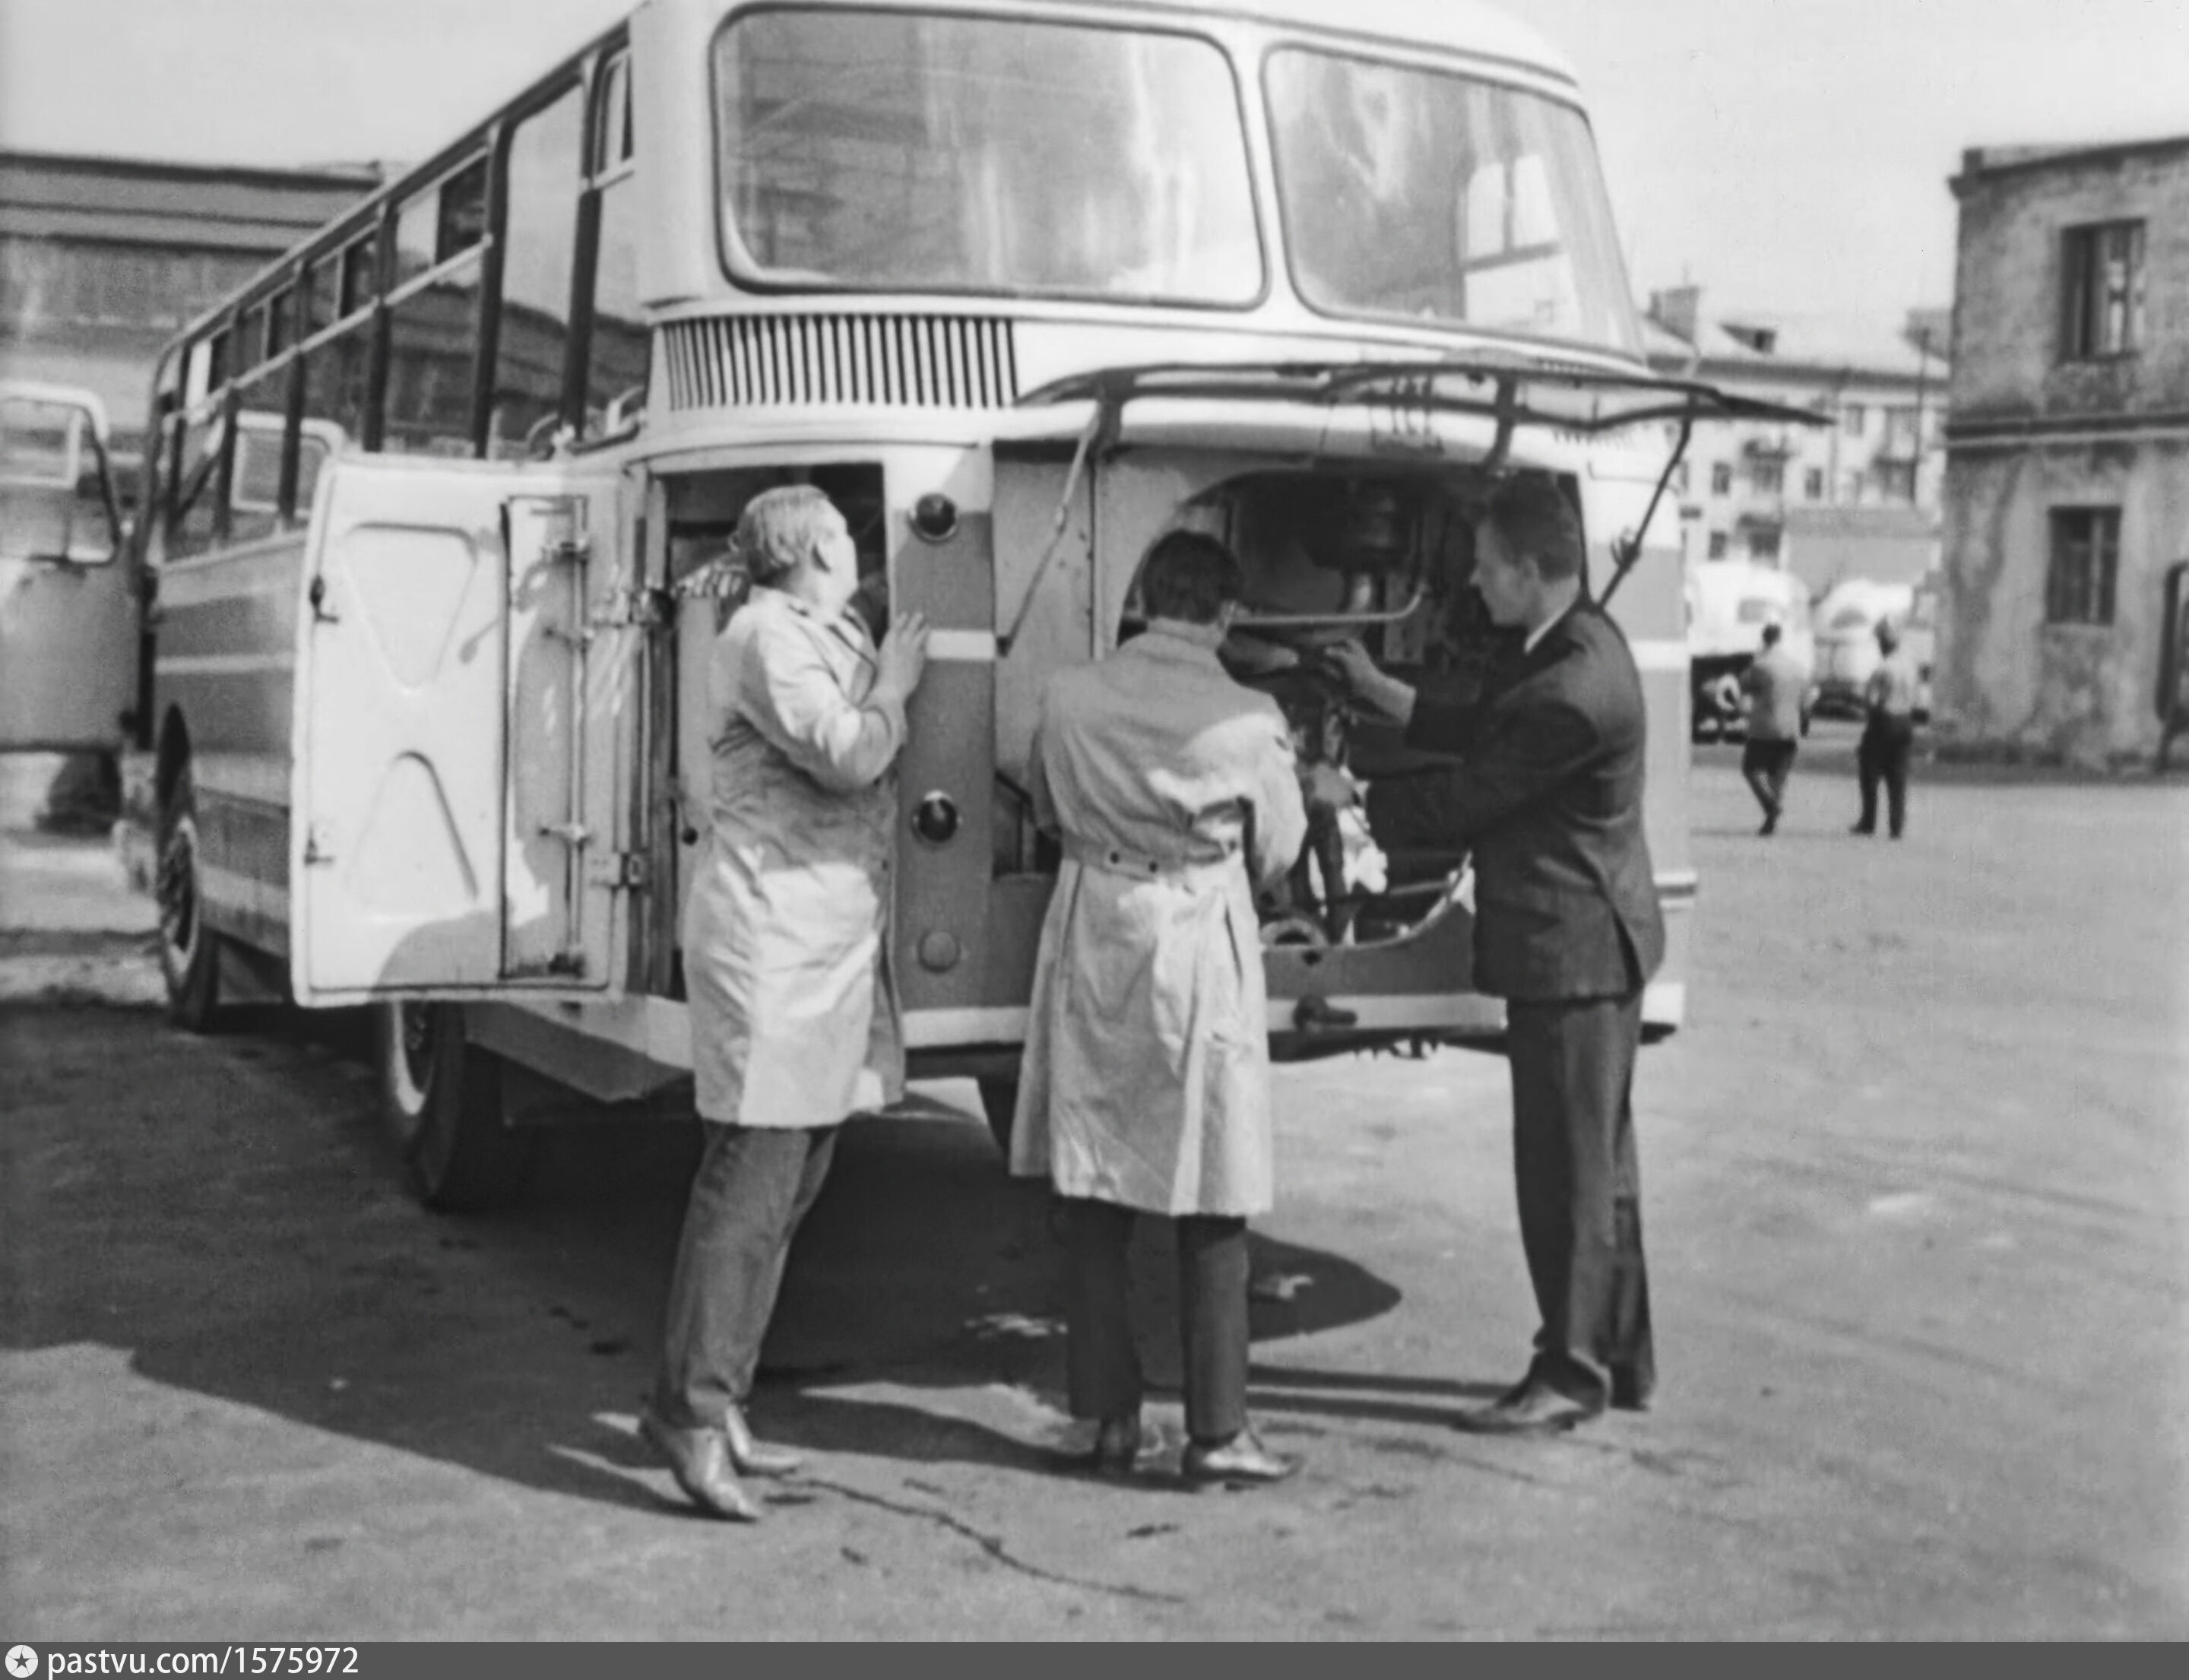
1190, 575
1538, 524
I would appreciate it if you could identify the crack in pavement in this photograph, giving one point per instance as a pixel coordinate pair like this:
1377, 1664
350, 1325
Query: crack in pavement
992, 1545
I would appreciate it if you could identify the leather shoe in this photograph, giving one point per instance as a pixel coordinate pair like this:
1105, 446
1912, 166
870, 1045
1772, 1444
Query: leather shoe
1535, 1408
1240, 1461
699, 1459
756, 1458
1115, 1451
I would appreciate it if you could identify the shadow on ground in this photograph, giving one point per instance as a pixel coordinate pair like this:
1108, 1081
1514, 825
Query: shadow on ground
236, 1227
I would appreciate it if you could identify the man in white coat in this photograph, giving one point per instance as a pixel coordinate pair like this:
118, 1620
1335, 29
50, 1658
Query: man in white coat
1145, 1083
793, 1020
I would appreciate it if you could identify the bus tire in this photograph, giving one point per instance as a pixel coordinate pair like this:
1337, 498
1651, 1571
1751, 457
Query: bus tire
999, 1101
189, 951
441, 1101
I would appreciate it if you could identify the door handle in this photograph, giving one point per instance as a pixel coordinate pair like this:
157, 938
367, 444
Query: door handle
316, 595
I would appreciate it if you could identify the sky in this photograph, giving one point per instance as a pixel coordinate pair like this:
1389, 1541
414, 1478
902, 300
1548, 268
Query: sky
1790, 157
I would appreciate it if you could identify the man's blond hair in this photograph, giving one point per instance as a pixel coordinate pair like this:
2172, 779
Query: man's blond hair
779, 530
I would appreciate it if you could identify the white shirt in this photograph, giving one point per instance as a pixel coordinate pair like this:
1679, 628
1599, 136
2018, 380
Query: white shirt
1545, 628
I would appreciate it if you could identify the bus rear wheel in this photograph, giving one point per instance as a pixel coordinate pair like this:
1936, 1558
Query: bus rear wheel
441, 1101
189, 951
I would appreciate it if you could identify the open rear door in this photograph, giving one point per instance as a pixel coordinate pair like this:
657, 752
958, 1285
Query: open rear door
458, 723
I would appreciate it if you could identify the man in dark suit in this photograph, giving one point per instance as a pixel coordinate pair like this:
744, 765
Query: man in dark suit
1549, 794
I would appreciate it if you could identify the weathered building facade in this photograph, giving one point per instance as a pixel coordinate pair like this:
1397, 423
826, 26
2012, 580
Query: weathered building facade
2066, 494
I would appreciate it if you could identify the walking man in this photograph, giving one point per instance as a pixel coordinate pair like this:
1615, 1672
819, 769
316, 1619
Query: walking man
1889, 735
1145, 1087
1772, 691
1549, 794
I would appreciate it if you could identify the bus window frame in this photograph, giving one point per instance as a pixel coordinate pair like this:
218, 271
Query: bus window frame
600, 173
479, 147
542, 97
1234, 70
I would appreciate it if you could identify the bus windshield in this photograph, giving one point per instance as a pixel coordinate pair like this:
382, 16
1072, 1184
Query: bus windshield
888, 150
1417, 194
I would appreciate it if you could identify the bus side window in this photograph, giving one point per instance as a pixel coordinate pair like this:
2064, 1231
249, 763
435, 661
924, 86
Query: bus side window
616, 340
261, 429
433, 315
336, 367
539, 245
193, 492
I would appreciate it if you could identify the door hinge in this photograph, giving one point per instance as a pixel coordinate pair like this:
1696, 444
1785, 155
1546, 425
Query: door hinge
617, 871
317, 594
314, 852
573, 549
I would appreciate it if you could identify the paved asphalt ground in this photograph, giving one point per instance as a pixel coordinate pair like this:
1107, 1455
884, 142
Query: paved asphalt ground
1918, 1202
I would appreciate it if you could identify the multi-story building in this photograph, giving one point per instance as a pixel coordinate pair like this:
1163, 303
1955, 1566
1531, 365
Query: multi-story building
2066, 495
101, 258
1855, 496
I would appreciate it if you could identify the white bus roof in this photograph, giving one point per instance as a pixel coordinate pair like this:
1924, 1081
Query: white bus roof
1458, 26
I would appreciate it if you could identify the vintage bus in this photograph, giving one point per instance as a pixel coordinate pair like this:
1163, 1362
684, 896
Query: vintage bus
442, 498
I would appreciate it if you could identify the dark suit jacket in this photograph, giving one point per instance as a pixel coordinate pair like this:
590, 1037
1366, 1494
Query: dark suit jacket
1549, 794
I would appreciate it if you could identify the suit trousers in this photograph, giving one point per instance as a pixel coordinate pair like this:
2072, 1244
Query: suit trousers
1581, 1193
1883, 756
1102, 1365
752, 1187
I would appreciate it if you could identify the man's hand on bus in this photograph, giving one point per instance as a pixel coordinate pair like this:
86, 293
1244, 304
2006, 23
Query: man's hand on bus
903, 654
1350, 663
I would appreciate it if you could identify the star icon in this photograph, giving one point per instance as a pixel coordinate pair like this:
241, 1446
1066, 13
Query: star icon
22, 1662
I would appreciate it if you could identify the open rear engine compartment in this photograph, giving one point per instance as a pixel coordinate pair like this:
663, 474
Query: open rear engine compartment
1382, 554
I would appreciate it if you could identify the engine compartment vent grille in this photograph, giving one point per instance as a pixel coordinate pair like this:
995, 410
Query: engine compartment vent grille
889, 361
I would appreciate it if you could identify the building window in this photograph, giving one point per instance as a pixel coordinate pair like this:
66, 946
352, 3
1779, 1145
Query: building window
1764, 544
1717, 545
1721, 478
1853, 418
1767, 477
2101, 290
2078, 586
1680, 478
1813, 484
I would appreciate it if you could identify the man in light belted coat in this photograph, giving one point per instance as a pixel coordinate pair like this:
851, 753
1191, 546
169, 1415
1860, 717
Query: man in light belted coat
1145, 1083
793, 1020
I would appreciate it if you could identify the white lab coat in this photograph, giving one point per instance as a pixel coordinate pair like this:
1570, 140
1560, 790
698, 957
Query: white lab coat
1146, 1080
793, 1016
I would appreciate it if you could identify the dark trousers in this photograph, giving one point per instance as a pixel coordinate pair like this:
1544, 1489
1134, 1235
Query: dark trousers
1883, 756
1103, 1367
1765, 765
1581, 1193
752, 1187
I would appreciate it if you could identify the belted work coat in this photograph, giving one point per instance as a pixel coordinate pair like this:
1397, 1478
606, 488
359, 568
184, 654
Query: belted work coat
794, 1016
1146, 1080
